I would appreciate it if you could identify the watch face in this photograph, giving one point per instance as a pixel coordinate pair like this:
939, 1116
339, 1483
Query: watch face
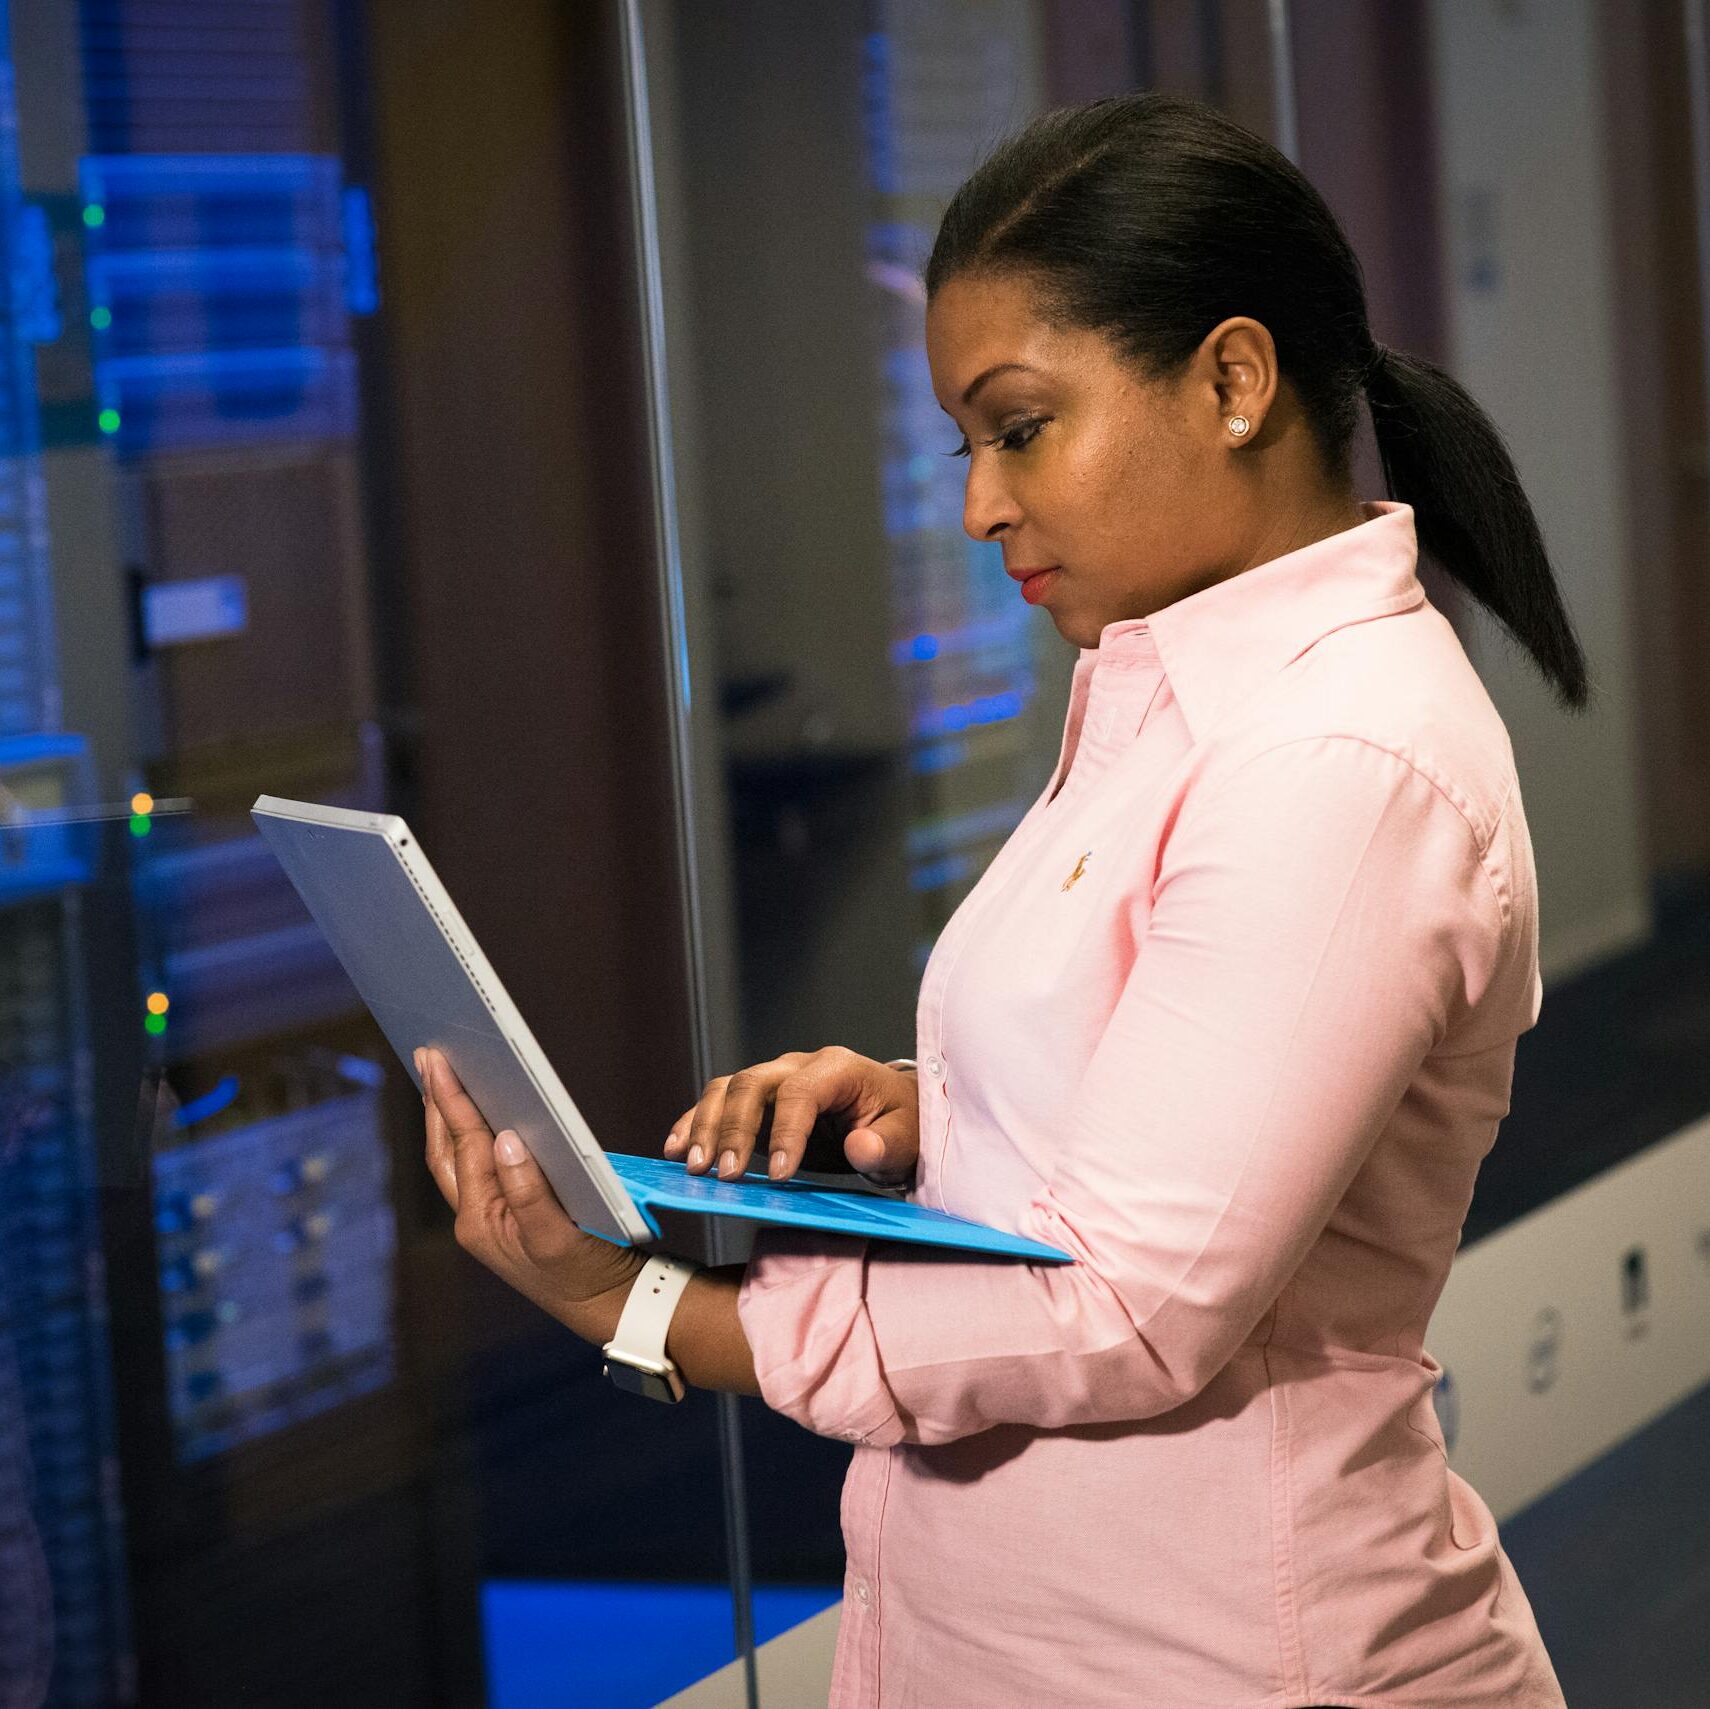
654, 1384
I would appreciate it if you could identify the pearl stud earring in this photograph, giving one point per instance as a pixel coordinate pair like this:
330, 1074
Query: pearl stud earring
1238, 424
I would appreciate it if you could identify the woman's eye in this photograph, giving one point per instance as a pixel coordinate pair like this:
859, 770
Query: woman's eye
1018, 434
1013, 438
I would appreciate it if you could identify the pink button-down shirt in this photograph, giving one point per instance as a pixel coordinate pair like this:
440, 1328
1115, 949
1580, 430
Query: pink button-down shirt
1231, 1017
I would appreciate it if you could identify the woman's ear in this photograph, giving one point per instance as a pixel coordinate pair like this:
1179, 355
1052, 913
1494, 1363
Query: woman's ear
1240, 359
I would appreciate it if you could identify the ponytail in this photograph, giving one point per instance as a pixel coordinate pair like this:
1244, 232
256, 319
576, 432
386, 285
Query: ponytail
1152, 217
1443, 456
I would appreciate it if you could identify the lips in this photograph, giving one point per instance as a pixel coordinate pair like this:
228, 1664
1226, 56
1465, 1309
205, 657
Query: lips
1034, 570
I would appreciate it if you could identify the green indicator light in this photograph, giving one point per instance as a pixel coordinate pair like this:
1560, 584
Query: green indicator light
141, 825
109, 420
94, 215
155, 1024
101, 319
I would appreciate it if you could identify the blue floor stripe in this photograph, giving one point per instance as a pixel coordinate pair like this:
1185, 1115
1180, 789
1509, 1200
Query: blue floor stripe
554, 1645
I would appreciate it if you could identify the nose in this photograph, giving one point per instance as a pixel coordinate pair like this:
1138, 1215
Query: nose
987, 504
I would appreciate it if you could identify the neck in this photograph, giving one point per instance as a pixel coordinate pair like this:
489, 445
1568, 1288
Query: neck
1298, 522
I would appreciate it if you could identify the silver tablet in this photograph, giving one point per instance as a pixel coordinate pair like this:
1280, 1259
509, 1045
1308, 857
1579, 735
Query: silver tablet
417, 966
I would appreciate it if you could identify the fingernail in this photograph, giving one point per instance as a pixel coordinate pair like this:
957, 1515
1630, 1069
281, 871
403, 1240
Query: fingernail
509, 1149
727, 1163
695, 1156
778, 1164
416, 1057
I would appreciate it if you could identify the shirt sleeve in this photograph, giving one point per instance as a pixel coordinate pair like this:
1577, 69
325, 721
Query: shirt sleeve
1319, 923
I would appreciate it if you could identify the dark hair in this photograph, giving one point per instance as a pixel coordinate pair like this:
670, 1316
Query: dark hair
1154, 217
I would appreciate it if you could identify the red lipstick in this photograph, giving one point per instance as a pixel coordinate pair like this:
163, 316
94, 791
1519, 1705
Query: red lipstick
1035, 584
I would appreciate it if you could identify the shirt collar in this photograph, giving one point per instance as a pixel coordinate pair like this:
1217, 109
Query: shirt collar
1218, 644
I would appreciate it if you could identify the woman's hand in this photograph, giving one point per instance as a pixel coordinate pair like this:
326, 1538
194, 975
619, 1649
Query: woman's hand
778, 1105
509, 1217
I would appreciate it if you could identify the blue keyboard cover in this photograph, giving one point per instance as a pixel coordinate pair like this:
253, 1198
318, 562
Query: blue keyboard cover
805, 1204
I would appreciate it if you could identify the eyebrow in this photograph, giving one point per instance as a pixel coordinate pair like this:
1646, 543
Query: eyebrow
992, 373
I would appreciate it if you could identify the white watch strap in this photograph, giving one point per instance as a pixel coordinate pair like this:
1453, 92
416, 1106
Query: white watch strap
901, 1062
639, 1339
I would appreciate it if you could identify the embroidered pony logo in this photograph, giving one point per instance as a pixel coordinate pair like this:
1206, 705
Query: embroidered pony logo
1080, 867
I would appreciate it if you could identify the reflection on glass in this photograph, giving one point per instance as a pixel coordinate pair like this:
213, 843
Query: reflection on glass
890, 705
938, 82
243, 1366
274, 1234
1516, 182
64, 1606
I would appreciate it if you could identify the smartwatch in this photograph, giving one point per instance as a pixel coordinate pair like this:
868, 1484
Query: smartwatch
635, 1355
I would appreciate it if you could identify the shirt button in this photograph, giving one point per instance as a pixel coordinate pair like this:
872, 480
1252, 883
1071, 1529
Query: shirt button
863, 1593
935, 1067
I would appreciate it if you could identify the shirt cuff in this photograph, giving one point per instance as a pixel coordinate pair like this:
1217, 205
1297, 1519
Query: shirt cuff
802, 1305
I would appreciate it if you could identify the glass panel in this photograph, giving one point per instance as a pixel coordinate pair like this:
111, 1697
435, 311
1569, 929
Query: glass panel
1520, 186
266, 1434
877, 706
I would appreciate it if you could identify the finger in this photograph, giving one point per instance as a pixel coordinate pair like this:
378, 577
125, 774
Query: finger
677, 1140
834, 1083
480, 1204
438, 1145
471, 1140
546, 1232
747, 1100
696, 1136
440, 1161
703, 1127
885, 1151
796, 1107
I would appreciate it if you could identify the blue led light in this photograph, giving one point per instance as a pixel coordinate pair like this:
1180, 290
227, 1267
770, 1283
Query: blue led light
1003, 634
172, 1213
209, 1104
361, 1072
362, 280
939, 756
986, 709
935, 874
876, 114
35, 290
230, 279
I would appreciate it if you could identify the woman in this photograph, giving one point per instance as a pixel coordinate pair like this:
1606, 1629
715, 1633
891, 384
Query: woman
1231, 1016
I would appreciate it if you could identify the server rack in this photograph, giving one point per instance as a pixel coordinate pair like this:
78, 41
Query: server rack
64, 1611
196, 1115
